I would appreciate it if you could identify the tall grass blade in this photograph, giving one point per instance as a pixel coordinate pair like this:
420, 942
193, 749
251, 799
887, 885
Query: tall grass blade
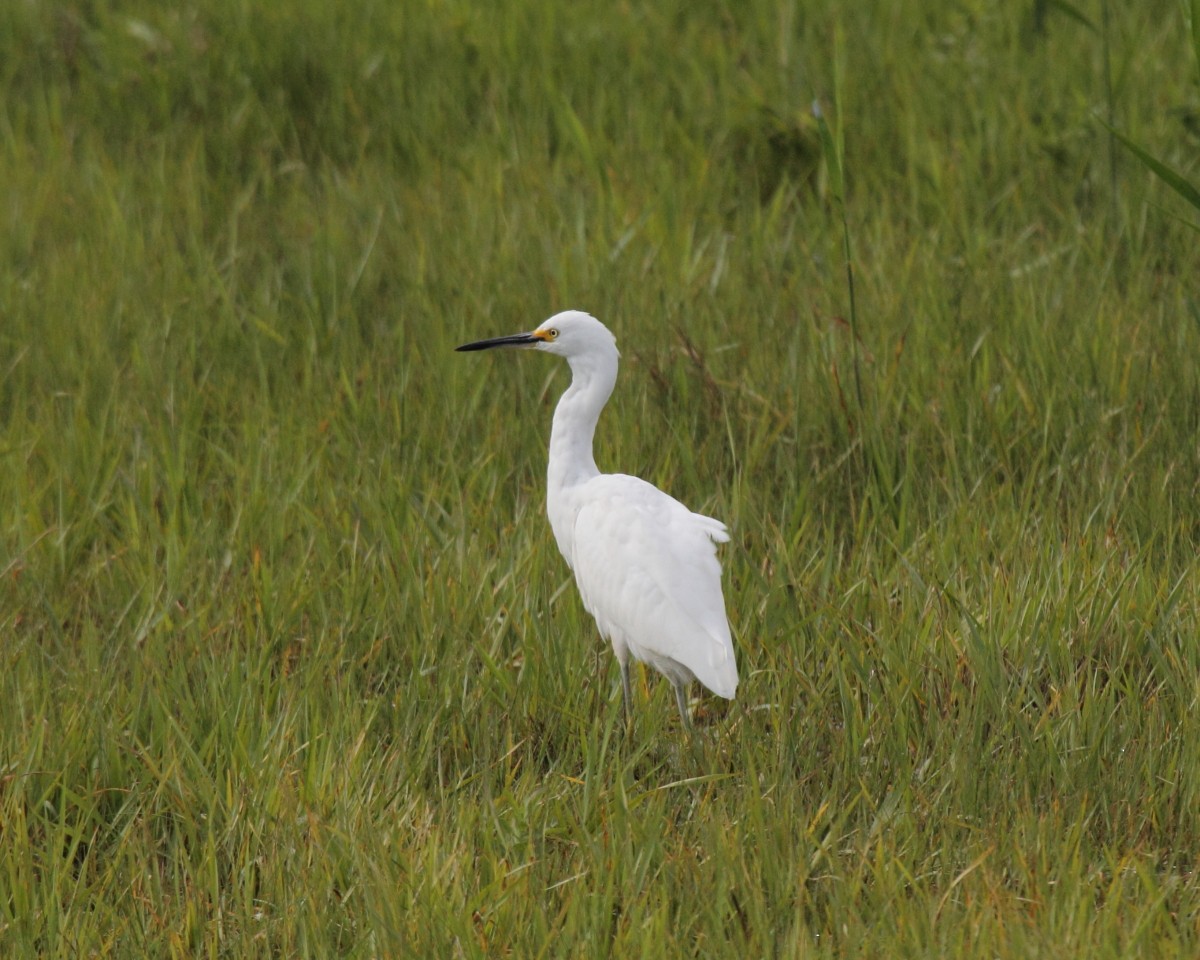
1170, 176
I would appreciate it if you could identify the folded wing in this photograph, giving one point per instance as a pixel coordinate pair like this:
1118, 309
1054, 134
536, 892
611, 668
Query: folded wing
648, 572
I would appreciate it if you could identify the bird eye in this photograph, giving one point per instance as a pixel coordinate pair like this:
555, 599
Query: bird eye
552, 333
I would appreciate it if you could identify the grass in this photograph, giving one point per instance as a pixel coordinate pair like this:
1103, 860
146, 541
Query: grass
291, 666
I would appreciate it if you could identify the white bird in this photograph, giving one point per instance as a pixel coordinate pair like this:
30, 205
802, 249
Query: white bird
646, 566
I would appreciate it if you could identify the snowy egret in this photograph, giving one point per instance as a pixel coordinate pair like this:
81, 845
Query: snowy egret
646, 566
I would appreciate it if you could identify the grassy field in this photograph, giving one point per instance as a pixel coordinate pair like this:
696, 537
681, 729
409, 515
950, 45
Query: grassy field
290, 665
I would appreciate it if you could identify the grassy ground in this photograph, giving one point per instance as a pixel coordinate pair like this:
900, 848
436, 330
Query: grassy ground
290, 664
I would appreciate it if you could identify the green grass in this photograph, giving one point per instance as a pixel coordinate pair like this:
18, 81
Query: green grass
290, 664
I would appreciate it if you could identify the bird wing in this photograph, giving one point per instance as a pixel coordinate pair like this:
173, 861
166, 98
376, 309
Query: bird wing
647, 570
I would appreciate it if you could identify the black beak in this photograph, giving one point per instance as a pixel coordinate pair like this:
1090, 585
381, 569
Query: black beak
516, 340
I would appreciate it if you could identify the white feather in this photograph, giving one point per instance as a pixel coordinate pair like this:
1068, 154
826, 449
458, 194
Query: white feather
646, 565
647, 571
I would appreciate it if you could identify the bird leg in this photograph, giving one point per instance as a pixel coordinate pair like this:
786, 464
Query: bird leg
681, 702
626, 698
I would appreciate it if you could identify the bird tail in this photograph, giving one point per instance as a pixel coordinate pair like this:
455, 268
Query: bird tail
714, 529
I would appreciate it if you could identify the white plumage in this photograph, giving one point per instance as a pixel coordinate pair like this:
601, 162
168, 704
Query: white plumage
646, 566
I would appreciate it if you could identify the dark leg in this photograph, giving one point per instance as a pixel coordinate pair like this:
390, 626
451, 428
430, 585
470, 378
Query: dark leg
626, 698
681, 702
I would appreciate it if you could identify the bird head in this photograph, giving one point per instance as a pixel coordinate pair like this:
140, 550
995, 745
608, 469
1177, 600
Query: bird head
571, 334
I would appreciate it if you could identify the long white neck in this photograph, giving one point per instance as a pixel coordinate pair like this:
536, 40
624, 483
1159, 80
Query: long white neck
571, 460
